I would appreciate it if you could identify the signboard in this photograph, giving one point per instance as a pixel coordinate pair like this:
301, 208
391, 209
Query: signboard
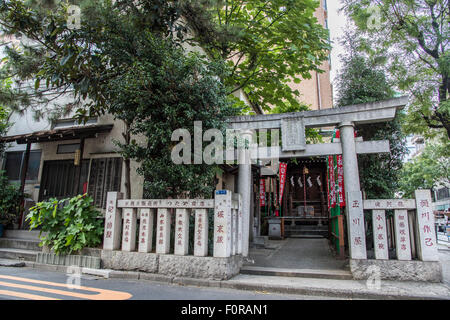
332, 182
262, 192
283, 169
293, 134
340, 173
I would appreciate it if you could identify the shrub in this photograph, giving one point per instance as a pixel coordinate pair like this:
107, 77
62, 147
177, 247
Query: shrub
10, 196
71, 224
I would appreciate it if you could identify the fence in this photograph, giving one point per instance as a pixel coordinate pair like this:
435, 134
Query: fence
122, 217
411, 231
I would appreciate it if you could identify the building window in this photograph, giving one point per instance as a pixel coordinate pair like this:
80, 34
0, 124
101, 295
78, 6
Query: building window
105, 175
442, 194
13, 165
67, 148
64, 123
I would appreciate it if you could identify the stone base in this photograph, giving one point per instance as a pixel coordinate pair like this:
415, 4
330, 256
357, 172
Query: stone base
413, 270
69, 260
173, 265
130, 261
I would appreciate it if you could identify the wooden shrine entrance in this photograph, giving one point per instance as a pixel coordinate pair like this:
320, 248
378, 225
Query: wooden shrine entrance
305, 241
304, 211
304, 202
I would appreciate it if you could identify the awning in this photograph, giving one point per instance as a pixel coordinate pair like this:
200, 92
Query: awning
70, 133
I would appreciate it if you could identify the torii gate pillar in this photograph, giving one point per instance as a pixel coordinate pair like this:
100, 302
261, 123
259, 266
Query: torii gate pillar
353, 199
244, 188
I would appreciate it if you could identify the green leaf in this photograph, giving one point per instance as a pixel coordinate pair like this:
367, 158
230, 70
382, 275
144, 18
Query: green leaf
54, 211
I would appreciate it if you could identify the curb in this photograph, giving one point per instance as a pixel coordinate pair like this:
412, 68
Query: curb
336, 293
11, 263
227, 284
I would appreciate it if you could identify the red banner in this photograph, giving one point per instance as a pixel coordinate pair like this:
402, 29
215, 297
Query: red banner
332, 182
340, 172
262, 192
283, 169
274, 190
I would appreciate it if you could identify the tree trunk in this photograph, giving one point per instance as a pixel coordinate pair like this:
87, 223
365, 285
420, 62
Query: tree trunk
443, 90
127, 136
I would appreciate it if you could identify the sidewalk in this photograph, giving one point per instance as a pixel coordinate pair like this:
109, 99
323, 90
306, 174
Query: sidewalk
341, 288
349, 289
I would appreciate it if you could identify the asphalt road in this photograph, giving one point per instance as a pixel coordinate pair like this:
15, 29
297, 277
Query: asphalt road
34, 284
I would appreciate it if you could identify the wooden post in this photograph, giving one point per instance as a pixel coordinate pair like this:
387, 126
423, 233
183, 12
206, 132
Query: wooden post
341, 236
79, 166
23, 178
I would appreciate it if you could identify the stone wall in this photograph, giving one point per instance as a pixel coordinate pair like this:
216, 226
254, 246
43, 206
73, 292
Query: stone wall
174, 265
412, 270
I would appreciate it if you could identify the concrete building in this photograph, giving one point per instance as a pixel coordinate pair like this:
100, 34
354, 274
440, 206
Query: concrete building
415, 144
317, 91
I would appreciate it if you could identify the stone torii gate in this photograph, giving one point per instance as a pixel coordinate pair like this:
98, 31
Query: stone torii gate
292, 127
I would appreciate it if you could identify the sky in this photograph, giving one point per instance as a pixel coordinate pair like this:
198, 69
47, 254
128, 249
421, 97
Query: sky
336, 24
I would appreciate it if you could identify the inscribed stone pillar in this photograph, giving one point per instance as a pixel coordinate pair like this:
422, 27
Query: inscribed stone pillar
244, 188
402, 240
355, 223
163, 231
129, 229
201, 233
113, 222
234, 234
354, 207
222, 223
238, 197
380, 242
181, 232
146, 230
426, 244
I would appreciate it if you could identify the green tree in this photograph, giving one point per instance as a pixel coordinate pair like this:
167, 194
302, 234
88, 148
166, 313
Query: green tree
125, 59
5, 112
360, 81
411, 38
428, 170
266, 44
312, 134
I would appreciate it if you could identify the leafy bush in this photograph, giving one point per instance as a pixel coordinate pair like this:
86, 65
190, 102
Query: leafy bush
70, 226
9, 201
